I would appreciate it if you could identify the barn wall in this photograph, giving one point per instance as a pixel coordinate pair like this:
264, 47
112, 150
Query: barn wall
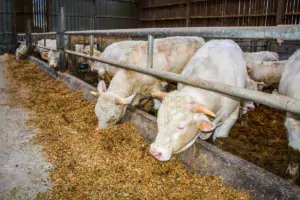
94, 14
7, 42
179, 13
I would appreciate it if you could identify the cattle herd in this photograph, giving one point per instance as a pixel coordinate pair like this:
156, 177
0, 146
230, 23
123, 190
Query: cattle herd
188, 112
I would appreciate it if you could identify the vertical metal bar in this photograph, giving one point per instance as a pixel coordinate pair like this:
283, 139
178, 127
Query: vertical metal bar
267, 10
91, 45
61, 40
14, 25
280, 12
150, 51
44, 21
49, 11
188, 11
28, 36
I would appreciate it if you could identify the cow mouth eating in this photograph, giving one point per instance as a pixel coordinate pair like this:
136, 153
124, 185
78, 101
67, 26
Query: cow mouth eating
155, 154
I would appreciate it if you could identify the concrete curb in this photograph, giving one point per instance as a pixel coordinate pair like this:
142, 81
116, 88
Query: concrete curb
202, 157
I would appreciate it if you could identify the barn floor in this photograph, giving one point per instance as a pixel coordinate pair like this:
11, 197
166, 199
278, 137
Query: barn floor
113, 163
23, 170
262, 139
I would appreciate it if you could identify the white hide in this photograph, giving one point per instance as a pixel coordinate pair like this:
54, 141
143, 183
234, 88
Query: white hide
164, 52
170, 54
179, 126
261, 56
251, 85
251, 60
44, 52
290, 86
268, 72
87, 50
21, 52
116, 52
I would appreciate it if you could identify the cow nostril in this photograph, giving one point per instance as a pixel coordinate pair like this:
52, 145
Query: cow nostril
153, 151
250, 108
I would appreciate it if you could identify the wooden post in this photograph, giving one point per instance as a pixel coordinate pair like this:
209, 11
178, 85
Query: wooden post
60, 40
28, 36
188, 10
280, 12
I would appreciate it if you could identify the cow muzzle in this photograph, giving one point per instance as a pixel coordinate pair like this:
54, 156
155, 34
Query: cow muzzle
161, 154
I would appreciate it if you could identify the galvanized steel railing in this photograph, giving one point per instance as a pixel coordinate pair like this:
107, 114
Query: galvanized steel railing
279, 32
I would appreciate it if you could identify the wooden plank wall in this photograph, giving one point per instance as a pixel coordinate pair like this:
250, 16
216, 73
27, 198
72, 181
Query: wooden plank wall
180, 13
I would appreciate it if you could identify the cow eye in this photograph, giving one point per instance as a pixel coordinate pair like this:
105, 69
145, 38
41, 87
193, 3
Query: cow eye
179, 127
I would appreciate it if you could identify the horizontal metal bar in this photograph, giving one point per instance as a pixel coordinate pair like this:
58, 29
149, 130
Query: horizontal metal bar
270, 32
7, 33
21, 42
276, 101
45, 47
45, 33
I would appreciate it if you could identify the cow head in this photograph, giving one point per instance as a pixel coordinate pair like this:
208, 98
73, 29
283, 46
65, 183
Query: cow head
53, 58
251, 85
180, 121
21, 52
97, 67
109, 108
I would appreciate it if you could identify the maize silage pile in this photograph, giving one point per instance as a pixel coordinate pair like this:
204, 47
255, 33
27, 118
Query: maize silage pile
113, 163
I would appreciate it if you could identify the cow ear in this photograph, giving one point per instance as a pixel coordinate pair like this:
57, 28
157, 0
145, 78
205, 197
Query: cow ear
45, 55
126, 101
101, 87
206, 126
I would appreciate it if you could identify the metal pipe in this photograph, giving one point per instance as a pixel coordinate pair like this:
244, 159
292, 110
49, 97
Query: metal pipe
91, 45
45, 33
276, 101
44, 47
28, 36
150, 51
60, 40
21, 42
270, 32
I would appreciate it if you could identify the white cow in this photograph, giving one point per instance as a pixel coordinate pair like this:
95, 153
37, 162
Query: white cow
251, 85
21, 52
44, 52
115, 51
290, 86
87, 50
268, 72
261, 56
253, 59
185, 114
53, 56
170, 54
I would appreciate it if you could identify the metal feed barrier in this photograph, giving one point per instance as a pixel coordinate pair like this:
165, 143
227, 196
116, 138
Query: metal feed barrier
279, 33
